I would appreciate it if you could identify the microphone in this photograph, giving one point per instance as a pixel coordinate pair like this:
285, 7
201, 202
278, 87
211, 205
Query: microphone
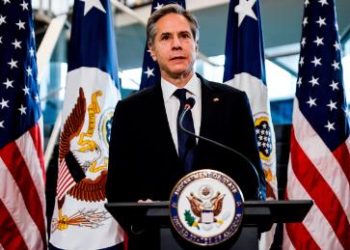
190, 102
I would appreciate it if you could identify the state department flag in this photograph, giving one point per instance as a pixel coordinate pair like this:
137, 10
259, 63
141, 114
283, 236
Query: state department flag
150, 68
80, 220
319, 162
22, 171
245, 70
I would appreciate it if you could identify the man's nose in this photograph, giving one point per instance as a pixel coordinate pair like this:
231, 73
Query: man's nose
176, 43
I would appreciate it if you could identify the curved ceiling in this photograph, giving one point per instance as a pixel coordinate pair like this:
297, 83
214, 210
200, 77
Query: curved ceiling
281, 22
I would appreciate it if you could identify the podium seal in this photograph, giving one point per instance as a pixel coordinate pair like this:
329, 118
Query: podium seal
206, 207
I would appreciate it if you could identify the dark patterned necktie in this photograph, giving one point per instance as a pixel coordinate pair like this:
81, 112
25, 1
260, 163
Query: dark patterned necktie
186, 142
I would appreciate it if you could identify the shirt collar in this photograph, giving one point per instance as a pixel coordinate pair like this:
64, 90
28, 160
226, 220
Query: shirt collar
193, 86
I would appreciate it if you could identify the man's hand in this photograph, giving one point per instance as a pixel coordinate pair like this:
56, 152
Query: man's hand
146, 201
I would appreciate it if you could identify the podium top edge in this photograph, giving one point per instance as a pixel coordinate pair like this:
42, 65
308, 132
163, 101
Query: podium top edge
164, 204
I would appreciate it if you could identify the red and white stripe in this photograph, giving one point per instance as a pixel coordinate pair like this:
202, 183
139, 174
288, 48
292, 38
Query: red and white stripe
22, 193
65, 180
316, 173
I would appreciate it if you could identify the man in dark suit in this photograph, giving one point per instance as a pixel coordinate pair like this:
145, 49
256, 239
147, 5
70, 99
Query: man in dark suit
144, 161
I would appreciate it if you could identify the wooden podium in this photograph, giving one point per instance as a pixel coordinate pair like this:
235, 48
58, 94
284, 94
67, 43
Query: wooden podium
258, 217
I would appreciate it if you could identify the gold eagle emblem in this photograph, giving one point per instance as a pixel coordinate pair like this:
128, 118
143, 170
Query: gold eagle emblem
200, 206
85, 189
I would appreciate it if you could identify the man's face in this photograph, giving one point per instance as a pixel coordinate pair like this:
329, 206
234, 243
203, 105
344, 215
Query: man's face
174, 47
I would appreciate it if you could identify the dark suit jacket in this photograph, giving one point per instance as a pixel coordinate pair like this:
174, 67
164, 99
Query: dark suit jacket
143, 162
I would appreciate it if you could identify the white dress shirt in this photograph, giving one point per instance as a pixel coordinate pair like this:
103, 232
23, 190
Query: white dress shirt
172, 104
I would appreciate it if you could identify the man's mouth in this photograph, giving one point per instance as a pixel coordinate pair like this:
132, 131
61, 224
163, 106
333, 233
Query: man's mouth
177, 58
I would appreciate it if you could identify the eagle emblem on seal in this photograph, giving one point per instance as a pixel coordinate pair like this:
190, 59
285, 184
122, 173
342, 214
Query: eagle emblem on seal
207, 205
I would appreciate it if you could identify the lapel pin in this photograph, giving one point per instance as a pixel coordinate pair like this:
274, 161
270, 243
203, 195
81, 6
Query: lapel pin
216, 99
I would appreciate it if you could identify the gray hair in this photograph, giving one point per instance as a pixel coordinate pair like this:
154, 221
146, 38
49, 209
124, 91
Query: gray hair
168, 9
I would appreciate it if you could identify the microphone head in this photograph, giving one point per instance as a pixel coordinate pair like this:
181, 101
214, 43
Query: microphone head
190, 102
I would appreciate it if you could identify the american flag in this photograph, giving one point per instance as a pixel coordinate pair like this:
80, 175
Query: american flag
245, 70
22, 173
80, 220
150, 68
319, 164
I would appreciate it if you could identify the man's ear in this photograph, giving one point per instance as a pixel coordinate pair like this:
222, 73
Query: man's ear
151, 51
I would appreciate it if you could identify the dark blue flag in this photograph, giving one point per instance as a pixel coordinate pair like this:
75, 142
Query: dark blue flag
90, 98
150, 68
244, 41
245, 70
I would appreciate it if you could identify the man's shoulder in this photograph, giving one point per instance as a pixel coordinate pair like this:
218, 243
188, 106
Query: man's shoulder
222, 88
225, 88
141, 96
219, 87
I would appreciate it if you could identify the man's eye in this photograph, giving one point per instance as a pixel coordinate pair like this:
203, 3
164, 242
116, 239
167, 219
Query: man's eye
164, 37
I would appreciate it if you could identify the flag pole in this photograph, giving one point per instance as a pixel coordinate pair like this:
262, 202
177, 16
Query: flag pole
53, 139
48, 43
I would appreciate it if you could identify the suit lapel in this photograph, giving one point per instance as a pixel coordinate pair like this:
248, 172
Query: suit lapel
212, 115
162, 129
210, 110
